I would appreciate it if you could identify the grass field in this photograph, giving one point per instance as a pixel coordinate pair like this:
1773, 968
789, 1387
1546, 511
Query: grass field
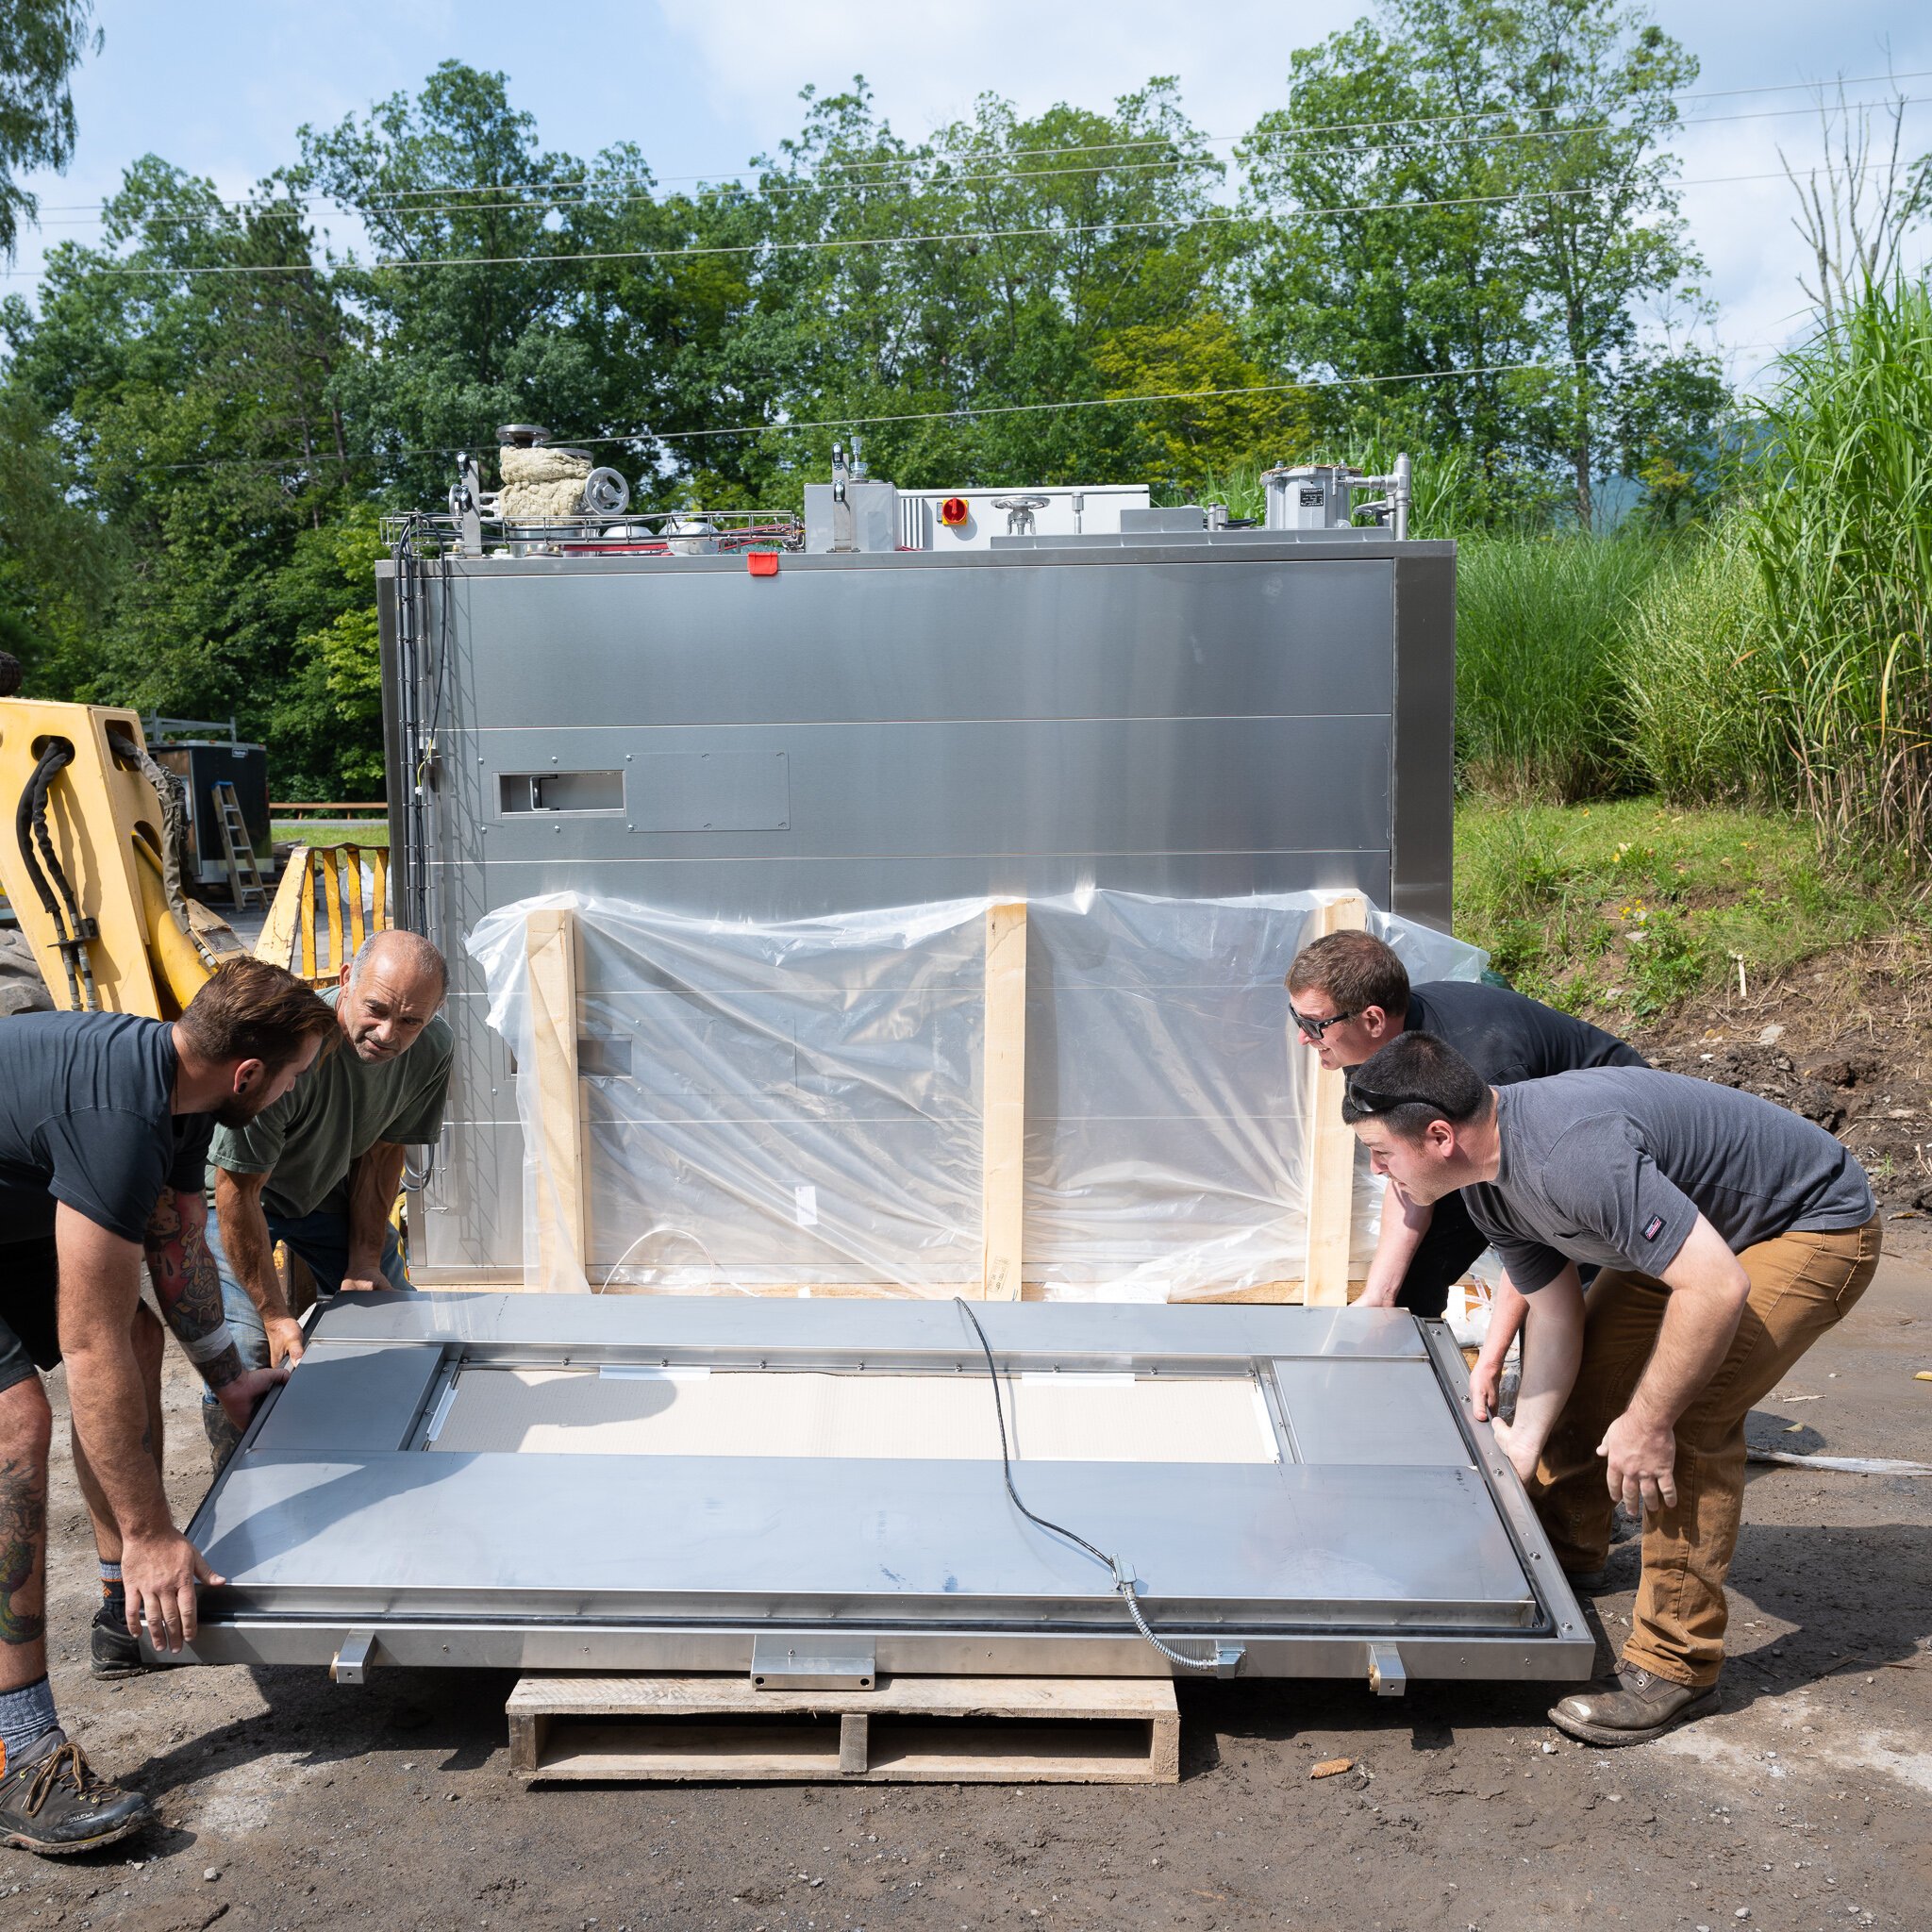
1622, 908
331, 831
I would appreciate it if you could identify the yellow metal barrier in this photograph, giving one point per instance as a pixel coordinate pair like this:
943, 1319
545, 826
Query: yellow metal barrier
352, 883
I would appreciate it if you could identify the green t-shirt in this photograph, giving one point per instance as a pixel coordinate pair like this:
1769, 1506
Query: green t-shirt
336, 1112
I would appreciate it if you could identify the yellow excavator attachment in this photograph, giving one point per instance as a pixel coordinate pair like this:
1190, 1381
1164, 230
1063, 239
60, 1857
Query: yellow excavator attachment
83, 831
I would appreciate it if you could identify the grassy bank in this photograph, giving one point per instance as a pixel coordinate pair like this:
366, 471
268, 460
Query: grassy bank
1620, 910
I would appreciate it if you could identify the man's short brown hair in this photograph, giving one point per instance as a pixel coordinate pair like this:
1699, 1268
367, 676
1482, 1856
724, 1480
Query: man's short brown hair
1356, 969
250, 1011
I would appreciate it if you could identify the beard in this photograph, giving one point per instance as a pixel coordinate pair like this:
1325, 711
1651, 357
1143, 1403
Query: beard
238, 1110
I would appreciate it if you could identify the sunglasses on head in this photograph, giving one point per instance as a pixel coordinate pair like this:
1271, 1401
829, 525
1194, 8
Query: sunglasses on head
1314, 1029
1370, 1101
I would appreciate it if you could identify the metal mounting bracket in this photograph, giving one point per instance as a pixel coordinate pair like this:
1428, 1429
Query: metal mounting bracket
811, 1663
1387, 1678
356, 1659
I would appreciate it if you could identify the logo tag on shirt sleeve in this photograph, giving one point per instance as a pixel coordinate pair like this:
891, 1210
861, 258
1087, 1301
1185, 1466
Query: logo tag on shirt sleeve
1652, 1227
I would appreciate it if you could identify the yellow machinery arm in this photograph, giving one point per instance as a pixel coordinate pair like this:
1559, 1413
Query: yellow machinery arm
82, 830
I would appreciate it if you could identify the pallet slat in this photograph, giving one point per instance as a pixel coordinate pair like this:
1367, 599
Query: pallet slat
950, 1730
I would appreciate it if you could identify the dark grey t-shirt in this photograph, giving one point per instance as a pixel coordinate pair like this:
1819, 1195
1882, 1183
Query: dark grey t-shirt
1507, 1037
1614, 1164
87, 1117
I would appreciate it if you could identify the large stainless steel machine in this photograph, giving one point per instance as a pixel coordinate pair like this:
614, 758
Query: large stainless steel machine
780, 722
630, 1483
684, 716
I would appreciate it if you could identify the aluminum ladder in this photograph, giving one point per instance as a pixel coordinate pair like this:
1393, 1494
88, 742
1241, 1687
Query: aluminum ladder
244, 876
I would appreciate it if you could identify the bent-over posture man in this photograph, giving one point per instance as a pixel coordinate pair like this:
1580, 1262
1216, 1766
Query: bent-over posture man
1731, 1234
1349, 997
105, 1121
320, 1169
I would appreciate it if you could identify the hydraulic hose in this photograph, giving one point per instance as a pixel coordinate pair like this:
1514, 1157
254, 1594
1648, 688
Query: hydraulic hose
30, 829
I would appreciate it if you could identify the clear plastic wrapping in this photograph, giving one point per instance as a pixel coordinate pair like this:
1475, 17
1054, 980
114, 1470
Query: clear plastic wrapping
797, 1106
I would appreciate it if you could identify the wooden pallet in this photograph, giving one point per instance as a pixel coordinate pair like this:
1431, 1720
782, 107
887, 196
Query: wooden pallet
908, 1730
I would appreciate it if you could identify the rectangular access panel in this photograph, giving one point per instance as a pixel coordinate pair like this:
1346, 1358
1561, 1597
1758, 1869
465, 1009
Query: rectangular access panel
624, 1483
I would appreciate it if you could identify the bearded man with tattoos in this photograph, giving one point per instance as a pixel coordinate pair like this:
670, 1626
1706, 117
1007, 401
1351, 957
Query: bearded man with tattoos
105, 1125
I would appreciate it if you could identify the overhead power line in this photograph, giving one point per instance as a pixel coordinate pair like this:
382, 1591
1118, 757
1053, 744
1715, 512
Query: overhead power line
1299, 134
394, 264
324, 461
932, 177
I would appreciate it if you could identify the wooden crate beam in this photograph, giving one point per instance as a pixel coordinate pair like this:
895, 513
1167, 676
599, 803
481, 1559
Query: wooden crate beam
1002, 1107
550, 944
1328, 1144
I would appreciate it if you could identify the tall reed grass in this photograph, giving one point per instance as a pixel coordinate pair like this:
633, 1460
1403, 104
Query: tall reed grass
1698, 701
1842, 533
1541, 631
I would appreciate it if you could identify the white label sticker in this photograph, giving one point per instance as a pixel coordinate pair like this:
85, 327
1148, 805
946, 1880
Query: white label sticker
806, 1206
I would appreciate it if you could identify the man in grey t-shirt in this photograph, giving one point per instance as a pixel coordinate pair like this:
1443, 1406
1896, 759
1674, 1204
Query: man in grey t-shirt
1731, 1234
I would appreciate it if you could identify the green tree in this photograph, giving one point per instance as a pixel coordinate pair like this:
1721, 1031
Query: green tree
183, 369
42, 42
470, 331
1460, 187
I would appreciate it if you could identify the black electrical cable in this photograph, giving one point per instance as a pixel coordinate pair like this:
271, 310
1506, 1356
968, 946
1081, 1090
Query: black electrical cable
1123, 1578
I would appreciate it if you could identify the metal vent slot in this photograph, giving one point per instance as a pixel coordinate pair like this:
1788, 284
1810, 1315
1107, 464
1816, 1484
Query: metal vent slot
561, 792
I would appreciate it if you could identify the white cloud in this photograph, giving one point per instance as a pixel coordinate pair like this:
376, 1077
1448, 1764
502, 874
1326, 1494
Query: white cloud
927, 63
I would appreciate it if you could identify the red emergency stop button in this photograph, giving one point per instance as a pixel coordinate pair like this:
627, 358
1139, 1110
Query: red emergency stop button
954, 511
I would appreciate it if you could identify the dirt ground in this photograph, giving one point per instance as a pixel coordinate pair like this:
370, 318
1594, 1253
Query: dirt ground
1806, 1803
1844, 1039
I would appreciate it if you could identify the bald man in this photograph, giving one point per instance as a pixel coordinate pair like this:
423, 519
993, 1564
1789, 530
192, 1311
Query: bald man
320, 1169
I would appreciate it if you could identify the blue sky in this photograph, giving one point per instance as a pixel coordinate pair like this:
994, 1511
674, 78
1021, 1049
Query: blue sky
219, 86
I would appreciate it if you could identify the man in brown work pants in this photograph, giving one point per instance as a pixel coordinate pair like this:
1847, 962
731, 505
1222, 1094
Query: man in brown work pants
1801, 1285
1730, 1233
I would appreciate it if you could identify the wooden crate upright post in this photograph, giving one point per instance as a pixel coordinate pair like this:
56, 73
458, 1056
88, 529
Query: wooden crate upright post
1002, 1107
550, 939
1328, 1146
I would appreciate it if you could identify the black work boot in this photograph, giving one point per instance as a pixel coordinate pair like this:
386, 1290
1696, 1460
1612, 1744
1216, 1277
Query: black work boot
113, 1652
1632, 1707
52, 1803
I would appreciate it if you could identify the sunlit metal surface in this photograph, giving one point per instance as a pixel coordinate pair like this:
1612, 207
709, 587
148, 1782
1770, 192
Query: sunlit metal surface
1388, 1518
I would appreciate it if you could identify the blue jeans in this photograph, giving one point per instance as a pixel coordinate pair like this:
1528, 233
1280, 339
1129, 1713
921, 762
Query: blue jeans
322, 1240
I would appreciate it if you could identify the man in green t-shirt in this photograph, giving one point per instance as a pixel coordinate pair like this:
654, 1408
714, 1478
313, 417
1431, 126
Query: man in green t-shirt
320, 1169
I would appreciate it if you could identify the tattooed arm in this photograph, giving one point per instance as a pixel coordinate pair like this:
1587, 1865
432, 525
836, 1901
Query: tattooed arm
190, 1293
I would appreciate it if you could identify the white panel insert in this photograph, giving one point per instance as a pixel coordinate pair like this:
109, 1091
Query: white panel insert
1050, 1418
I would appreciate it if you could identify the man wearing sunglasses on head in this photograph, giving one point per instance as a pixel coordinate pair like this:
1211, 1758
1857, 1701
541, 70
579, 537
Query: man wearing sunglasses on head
1349, 997
1730, 1234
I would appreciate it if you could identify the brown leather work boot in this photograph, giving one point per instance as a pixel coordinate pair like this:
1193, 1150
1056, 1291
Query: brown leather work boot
52, 1803
1632, 1707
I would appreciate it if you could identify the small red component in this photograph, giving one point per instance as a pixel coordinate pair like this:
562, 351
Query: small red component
955, 511
761, 563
